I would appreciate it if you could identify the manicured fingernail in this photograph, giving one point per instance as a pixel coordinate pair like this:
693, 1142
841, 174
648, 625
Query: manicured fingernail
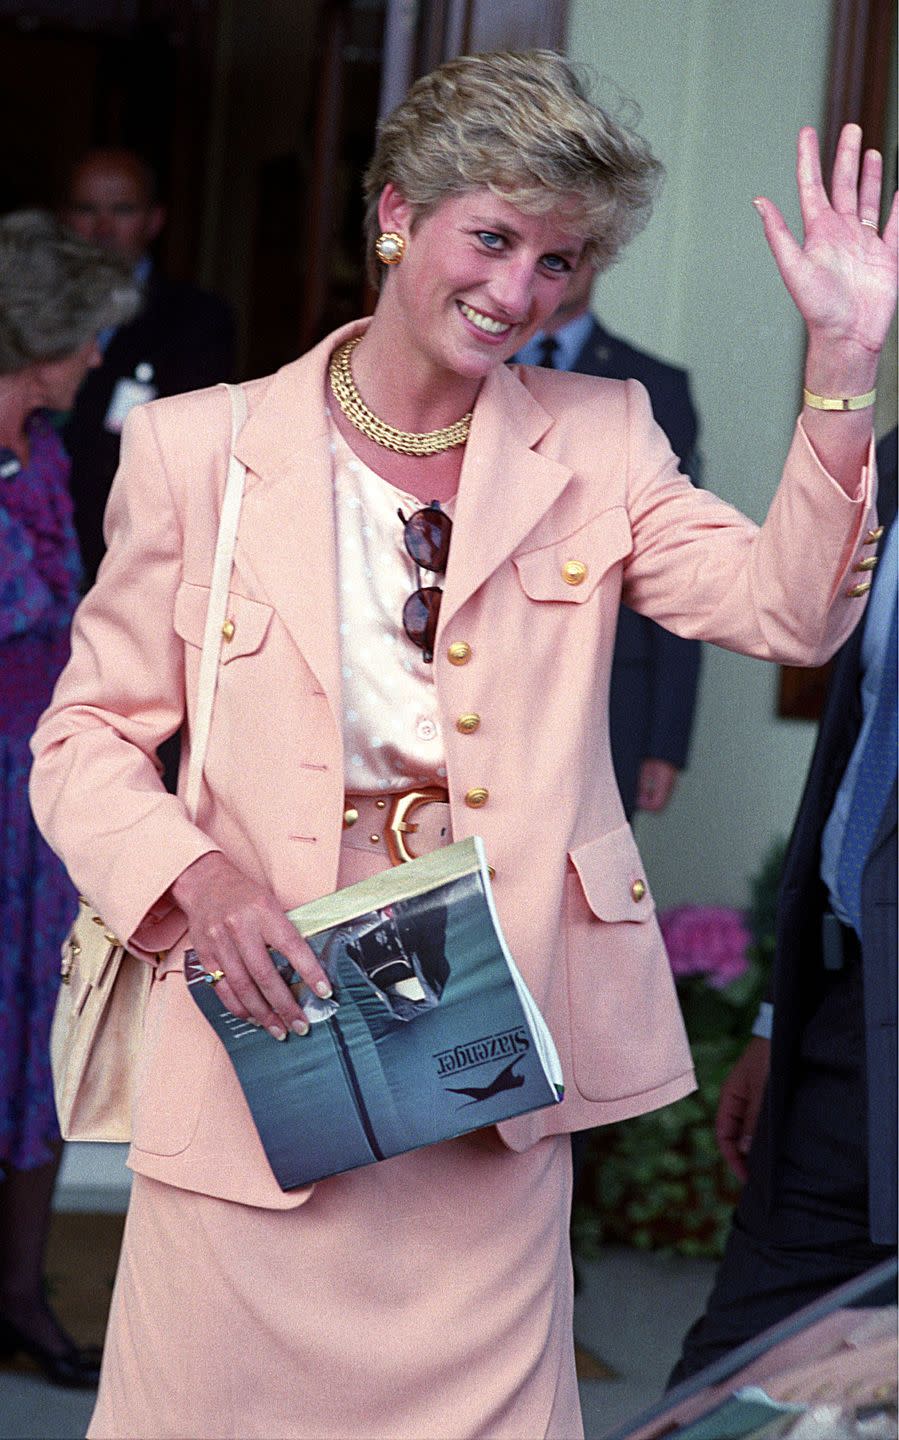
758, 205
299, 1027
323, 989
277, 1032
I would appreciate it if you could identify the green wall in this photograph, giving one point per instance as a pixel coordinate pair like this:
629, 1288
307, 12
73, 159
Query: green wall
723, 89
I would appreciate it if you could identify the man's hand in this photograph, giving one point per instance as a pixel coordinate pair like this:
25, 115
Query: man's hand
655, 784
740, 1103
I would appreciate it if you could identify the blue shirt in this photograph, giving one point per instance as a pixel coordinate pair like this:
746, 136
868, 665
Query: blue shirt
873, 658
571, 339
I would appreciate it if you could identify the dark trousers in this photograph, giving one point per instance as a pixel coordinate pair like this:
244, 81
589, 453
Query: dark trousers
169, 753
793, 1241
580, 1144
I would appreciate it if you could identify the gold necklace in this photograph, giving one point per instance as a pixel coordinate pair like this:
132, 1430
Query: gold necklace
405, 442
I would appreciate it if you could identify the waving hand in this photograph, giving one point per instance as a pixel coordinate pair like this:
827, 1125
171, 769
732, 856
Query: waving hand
842, 278
843, 275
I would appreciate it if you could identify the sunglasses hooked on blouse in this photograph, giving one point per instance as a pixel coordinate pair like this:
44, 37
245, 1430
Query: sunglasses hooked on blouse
426, 536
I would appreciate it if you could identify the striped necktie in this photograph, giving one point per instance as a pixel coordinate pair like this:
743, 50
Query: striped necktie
875, 776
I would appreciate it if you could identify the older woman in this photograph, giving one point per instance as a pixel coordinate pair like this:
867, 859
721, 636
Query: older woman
428, 1295
55, 294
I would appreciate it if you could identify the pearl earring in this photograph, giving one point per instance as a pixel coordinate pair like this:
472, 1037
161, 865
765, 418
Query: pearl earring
389, 247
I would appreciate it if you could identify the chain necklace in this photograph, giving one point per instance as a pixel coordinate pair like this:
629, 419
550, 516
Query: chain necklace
405, 442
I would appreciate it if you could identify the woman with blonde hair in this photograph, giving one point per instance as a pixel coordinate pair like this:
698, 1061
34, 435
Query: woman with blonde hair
55, 294
462, 647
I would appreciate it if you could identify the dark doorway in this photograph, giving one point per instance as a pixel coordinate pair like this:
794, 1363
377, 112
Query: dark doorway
258, 118
83, 74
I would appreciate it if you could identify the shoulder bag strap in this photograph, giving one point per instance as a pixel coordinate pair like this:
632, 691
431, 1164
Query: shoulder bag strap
218, 604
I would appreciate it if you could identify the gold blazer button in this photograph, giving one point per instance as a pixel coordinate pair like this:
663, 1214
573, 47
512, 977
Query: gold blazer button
874, 535
466, 724
228, 630
869, 563
477, 797
861, 588
574, 572
638, 890
459, 653
350, 816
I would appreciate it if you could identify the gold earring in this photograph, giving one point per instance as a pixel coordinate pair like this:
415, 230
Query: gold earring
390, 247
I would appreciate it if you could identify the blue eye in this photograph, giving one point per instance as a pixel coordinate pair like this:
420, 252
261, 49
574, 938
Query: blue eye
557, 264
490, 239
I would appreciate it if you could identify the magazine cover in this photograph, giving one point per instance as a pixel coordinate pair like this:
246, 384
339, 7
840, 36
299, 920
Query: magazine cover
431, 1031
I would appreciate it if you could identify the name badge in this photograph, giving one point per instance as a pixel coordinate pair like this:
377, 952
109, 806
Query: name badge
125, 396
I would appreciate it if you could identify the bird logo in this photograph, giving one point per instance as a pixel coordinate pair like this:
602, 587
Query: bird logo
505, 1080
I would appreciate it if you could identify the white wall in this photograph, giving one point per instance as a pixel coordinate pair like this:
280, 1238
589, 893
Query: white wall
723, 89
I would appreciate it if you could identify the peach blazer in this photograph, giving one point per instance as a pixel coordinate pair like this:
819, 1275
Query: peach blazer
570, 500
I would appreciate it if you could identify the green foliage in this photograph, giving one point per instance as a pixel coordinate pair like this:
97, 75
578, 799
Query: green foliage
658, 1181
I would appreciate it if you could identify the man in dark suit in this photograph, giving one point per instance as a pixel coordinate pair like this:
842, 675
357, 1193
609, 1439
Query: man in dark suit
819, 1203
654, 673
182, 339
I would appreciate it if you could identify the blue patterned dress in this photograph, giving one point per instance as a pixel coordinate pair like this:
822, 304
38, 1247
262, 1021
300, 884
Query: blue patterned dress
39, 576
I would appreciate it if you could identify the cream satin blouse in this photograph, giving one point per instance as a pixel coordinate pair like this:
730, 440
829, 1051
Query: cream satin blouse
391, 729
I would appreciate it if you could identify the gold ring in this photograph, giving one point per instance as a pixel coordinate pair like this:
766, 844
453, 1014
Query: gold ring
872, 224
215, 976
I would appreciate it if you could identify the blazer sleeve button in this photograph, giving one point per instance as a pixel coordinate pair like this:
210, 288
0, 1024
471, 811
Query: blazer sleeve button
861, 588
638, 890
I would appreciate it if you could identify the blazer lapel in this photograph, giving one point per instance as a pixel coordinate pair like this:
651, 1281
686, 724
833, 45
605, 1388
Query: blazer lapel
287, 542
504, 489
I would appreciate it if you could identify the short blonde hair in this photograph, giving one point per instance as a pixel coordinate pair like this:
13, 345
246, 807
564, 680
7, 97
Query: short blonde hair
56, 291
521, 124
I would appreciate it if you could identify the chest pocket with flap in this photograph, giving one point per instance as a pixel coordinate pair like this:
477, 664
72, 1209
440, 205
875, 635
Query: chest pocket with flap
570, 569
245, 627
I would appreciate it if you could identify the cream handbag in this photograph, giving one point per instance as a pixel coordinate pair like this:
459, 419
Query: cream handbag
99, 1016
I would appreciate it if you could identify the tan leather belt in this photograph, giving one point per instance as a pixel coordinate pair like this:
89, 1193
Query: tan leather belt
403, 826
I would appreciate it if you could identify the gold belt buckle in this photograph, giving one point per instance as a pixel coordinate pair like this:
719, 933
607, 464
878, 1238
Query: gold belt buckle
399, 824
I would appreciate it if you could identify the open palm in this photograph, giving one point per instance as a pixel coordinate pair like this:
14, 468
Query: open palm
842, 277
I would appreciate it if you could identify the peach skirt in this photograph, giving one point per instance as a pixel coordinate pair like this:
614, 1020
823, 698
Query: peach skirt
427, 1297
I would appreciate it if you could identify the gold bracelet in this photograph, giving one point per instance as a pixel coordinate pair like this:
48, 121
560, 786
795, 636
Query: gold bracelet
846, 402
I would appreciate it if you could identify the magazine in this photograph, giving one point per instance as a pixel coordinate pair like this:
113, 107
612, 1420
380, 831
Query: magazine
431, 1031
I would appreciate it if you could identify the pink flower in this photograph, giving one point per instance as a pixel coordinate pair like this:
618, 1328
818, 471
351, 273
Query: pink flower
709, 940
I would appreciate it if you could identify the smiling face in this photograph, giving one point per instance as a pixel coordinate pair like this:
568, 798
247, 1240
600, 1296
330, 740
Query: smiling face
478, 277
